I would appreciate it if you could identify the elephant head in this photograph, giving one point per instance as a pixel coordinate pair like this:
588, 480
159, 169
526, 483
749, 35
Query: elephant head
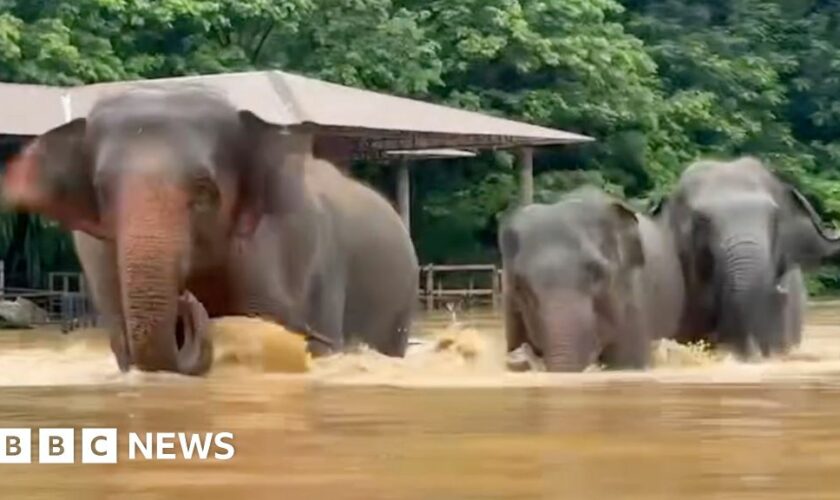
169, 177
569, 269
739, 231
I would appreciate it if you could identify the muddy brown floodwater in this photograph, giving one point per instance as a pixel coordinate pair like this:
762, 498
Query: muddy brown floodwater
446, 422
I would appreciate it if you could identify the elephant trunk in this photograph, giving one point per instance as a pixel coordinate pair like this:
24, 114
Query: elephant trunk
749, 287
152, 242
569, 336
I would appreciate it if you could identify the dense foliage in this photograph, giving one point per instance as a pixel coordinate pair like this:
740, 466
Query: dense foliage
659, 83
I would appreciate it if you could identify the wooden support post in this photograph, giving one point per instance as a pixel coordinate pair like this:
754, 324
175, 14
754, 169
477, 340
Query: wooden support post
526, 176
430, 287
496, 285
404, 193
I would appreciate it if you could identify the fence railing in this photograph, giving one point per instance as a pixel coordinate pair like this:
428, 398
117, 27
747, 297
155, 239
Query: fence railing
68, 303
65, 301
434, 293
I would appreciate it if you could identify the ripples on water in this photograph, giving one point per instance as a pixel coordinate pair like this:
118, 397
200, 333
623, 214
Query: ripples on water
446, 422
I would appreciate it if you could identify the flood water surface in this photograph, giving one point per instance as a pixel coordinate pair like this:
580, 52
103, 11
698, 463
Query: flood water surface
446, 422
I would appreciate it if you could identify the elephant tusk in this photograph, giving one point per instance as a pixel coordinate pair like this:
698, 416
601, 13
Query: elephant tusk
312, 334
305, 330
782, 289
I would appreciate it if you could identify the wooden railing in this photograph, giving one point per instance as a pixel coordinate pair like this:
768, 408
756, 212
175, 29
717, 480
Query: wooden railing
433, 293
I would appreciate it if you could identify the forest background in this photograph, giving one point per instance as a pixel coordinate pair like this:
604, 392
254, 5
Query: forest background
658, 83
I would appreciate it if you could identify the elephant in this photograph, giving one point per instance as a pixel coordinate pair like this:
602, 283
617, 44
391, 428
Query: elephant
744, 238
183, 207
588, 279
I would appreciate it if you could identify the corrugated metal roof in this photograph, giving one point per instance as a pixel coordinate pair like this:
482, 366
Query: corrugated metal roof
382, 122
253, 91
30, 109
330, 105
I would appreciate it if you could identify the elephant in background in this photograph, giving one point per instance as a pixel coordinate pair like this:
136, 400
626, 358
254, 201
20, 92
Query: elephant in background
588, 279
185, 208
744, 238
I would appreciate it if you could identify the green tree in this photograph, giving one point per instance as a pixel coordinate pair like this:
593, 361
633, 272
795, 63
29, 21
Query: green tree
658, 83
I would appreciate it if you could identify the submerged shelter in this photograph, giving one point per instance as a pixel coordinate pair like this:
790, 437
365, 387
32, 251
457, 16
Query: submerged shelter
347, 123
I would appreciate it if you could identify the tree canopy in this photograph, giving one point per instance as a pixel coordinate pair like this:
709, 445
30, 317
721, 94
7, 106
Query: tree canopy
659, 83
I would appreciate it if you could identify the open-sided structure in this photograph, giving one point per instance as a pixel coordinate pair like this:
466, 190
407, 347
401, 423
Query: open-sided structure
347, 123
403, 156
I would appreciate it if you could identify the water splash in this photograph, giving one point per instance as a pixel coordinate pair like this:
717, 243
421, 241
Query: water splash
457, 351
454, 352
453, 320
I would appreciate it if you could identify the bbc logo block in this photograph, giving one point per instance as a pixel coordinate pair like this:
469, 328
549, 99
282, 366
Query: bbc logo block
101, 446
16, 446
56, 446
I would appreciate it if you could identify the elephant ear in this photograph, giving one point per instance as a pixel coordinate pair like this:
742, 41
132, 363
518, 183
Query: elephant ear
631, 252
805, 242
508, 240
53, 176
273, 171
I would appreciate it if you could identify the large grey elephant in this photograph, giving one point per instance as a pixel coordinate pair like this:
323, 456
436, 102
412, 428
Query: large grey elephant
744, 238
184, 207
588, 279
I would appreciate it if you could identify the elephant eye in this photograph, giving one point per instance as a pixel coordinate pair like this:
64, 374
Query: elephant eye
205, 195
595, 273
702, 222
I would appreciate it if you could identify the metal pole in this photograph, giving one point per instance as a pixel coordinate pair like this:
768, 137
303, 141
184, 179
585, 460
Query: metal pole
526, 176
404, 193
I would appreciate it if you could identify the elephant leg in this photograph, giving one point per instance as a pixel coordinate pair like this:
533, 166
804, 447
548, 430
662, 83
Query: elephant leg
99, 263
796, 299
795, 322
393, 338
630, 347
741, 344
784, 318
627, 352
326, 318
516, 339
772, 337
515, 332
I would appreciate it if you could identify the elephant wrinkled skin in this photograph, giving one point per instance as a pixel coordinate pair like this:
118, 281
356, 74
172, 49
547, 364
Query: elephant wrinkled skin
184, 208
588, 279
744, 238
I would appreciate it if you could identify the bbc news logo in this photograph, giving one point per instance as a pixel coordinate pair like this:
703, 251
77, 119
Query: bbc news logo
101, 446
